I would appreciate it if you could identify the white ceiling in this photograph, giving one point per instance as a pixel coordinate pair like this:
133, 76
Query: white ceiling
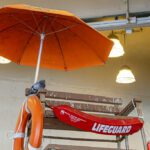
88, 8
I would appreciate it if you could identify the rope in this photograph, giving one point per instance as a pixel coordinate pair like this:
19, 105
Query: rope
27, 137
32, 148
17, 133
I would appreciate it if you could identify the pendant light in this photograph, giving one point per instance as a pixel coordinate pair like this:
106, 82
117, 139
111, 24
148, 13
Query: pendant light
4, 60
117, 49
125, 75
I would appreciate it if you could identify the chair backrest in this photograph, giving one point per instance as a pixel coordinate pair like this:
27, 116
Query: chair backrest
89, 103
83, 102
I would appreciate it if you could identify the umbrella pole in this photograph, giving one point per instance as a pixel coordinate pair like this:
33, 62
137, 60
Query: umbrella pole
42, 37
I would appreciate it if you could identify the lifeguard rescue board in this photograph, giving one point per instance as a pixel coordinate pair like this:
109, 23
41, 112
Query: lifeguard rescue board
99, 125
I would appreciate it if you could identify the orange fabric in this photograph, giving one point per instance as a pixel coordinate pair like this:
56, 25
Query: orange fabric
69, 43
36, 110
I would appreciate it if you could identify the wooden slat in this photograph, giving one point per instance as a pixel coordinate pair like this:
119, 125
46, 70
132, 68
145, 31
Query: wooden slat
50, 114
54, 123
71, 147
86, 107
79, 139
81, 97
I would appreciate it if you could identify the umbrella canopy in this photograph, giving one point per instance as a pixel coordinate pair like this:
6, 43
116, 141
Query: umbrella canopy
68, 43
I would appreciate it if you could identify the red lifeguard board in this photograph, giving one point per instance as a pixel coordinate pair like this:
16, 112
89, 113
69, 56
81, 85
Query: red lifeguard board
100, 125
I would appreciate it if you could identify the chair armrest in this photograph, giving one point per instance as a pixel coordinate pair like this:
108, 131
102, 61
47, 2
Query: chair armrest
131, 106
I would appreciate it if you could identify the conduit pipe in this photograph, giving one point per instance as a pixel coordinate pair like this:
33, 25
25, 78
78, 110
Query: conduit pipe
121, 24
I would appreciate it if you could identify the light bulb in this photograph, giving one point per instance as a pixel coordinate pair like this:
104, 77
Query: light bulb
125, 76
4, 60
117, 49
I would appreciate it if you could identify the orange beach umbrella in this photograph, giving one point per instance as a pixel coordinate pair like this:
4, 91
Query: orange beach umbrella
49, 38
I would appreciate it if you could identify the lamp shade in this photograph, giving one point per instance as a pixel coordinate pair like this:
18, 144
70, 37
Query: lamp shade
4, 60
125, 76
117, 49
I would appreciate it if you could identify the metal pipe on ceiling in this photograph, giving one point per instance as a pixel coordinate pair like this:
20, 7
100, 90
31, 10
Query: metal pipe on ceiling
121, 24
127, 10
128, 22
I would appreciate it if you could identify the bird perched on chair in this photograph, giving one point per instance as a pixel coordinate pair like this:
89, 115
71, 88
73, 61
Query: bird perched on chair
36, 87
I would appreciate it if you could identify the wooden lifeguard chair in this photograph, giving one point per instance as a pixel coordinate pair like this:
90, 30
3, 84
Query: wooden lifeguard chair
95, 105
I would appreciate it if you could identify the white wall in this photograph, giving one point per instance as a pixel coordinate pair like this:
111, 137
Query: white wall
95, 80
